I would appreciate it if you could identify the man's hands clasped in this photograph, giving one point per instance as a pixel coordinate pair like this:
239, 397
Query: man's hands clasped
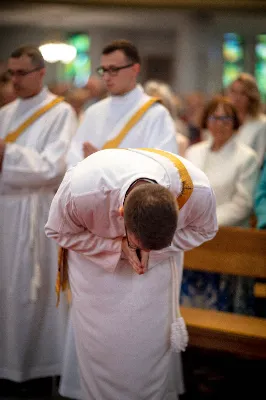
139, 266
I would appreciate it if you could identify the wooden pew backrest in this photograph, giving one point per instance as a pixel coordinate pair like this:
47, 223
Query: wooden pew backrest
236, 251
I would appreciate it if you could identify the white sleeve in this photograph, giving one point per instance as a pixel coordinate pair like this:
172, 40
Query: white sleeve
233, 212
85, 133
197, 225
67, 228
25, 167
162, 132
75, 152
200, 224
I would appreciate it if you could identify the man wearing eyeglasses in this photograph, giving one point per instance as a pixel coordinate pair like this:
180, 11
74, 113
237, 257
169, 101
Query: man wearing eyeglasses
35, 131
104, 121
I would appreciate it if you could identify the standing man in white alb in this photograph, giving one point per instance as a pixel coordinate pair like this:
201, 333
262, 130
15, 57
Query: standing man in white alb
113, 122
35, 132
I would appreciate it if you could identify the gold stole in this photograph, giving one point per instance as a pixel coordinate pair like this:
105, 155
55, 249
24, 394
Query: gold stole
114, 143
187, 184
11, 137
62, 281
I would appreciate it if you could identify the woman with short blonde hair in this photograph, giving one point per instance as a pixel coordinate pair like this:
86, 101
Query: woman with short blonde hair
244, 94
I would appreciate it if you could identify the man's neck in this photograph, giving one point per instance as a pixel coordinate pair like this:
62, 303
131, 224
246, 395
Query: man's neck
125, 93
32, 95
138, 182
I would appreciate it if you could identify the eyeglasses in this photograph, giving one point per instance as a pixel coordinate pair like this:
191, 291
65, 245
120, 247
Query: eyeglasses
20, 73
112, 71
133, 247
222, 118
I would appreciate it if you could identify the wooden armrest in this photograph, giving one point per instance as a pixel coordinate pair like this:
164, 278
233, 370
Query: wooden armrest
260, 290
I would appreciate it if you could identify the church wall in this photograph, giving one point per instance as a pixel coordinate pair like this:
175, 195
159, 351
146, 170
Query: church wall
192, 40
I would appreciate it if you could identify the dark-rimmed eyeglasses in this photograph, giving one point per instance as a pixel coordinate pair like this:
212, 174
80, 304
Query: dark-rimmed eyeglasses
112, 71
20, 73
222, 118
133, 247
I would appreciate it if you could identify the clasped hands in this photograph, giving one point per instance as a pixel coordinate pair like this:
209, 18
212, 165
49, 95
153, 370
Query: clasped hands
88, 149
139, 265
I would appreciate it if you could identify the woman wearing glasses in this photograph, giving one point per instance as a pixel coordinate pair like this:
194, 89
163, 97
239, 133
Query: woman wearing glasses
232, 169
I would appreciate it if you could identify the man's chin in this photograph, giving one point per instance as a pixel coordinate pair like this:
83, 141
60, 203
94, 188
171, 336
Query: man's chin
112, 91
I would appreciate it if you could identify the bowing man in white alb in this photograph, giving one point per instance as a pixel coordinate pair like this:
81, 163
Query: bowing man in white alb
127, 118
35, 132
113, 205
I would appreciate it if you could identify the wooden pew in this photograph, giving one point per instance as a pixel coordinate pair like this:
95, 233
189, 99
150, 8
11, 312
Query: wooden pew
235, 251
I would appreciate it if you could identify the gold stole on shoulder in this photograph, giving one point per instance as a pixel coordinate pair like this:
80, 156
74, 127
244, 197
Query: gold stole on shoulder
187, 184
11, 137
62, 282
114, 143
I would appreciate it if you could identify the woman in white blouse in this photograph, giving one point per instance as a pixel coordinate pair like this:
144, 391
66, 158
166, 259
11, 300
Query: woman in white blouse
245, 96
232, 169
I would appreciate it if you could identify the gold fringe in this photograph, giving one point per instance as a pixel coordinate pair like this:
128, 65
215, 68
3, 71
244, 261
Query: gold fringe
62, 281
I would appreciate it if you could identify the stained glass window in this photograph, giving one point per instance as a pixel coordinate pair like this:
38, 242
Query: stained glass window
79, 70
260, 64
233, 57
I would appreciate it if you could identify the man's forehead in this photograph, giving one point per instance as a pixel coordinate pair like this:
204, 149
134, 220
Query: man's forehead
115, 58
22, 62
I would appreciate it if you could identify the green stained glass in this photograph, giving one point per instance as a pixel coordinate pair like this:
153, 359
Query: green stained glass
79, 70
233, 57
260, 64
81, 42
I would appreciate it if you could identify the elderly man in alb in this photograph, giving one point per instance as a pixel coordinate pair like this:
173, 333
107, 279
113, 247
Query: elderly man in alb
35, 132
127, 215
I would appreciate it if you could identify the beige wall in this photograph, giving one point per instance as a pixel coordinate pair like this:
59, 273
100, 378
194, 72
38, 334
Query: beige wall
192, 39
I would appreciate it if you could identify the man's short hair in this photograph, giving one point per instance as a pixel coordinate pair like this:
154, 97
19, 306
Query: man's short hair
151, 213
32, 52
128, 48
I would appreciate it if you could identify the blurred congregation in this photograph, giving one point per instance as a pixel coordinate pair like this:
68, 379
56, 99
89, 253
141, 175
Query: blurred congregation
207, 70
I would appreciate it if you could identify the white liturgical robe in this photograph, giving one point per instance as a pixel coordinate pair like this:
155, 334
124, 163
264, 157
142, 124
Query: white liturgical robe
104, 120
122, 320
32, 329
233, 172
101, 122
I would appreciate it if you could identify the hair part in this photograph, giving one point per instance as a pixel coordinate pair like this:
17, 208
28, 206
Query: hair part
32, 52
151, 214
128, 48
212, 106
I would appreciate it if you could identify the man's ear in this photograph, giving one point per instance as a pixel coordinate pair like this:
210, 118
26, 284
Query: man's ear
121, 211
